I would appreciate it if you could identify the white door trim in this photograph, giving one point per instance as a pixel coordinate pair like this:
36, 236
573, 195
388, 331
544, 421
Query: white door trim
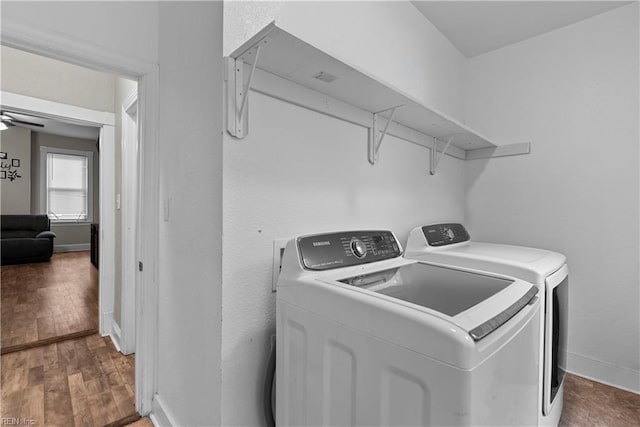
56, 110
81, 52
107, 240
129, 208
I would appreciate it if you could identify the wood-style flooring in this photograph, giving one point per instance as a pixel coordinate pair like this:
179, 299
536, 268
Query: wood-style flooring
40, 301
79, 382
142, 422
588, 403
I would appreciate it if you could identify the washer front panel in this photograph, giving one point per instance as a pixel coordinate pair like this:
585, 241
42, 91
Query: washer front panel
445, 234
344, 249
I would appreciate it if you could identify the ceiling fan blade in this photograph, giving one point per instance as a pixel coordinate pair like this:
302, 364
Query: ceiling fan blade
22, 122
12, 121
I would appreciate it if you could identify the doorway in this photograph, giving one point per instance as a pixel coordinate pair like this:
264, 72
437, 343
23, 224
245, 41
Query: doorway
146, 74
56, 166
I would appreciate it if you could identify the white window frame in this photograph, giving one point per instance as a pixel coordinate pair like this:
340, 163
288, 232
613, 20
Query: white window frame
43, 182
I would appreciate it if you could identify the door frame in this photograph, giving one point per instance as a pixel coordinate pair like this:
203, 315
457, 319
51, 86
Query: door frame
83, 53
129, 193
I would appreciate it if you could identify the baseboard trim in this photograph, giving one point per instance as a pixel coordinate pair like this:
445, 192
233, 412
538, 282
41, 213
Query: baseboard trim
106, 323
154, 420
115, 334
72, 248
161, 416
604, 372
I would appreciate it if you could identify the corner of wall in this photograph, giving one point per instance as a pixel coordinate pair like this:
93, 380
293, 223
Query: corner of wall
161, 415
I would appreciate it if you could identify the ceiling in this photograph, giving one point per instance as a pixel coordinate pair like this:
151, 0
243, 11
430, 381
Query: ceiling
477, 27
56, 127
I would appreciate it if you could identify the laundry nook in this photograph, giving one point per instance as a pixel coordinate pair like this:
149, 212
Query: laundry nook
320, 213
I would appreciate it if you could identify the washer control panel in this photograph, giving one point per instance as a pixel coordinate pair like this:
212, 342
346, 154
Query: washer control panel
445, 234
344, 249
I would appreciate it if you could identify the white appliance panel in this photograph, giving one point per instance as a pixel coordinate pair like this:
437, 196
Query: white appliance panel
332, 374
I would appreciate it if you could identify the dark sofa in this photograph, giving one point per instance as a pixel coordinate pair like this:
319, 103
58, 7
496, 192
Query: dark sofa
25, 238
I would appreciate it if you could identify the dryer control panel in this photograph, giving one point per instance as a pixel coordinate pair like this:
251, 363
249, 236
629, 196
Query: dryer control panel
445, 234
344, 249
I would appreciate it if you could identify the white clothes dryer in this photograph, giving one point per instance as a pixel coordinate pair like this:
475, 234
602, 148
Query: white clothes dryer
366, 337
450, 245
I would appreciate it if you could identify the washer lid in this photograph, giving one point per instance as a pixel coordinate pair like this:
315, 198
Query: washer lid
354, 297
444, 290
530, 264
476, 302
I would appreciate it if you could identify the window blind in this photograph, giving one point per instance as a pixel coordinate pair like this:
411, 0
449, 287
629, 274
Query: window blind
67, 187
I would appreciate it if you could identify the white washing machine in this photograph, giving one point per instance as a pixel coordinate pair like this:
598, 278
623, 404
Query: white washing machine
450, 245
366, 337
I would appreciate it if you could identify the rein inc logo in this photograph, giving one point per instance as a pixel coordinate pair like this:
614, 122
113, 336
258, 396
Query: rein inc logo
5, 421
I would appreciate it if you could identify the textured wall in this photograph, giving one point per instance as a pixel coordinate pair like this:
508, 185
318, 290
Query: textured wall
299, 172
190, 232
574, 94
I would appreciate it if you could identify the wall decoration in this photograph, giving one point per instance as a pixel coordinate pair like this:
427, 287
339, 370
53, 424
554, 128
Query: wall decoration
13, 175
9, 169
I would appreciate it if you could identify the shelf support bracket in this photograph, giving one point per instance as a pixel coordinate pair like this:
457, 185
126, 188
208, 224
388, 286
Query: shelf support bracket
238, 93
435, 159
374, 141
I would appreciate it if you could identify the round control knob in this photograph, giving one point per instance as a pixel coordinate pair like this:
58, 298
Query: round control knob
358, 248
448, 234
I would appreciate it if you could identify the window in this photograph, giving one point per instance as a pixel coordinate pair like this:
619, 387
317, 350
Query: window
66, 184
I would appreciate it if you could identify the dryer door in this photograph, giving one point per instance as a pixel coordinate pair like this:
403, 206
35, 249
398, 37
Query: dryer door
555, 336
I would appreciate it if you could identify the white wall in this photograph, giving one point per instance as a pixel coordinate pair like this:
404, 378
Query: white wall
389, 40
128, 28
186, 42
16, 192
190, 236
299, 172
574, 94
45, 78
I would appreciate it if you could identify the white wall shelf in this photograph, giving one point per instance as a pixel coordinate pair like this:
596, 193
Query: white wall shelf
289, 58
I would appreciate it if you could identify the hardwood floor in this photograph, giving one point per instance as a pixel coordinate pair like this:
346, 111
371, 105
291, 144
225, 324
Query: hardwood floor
55, 369
80, 382
588, 403
142, 422
40, 301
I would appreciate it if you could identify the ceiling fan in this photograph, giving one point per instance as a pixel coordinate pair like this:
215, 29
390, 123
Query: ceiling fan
8, 120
